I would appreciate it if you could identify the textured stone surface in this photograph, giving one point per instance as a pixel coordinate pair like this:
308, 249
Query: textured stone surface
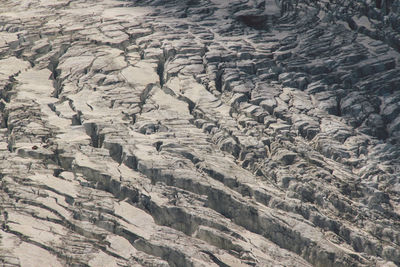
199, 133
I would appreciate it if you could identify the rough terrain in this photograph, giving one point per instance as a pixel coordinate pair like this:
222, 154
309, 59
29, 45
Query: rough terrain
199, 133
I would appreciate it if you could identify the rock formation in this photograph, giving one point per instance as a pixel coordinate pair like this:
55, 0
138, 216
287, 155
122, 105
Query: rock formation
199, 133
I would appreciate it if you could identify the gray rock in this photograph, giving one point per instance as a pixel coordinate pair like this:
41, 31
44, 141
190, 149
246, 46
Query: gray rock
199, 133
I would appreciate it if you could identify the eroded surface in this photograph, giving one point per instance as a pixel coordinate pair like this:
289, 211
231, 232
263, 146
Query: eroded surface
199, 133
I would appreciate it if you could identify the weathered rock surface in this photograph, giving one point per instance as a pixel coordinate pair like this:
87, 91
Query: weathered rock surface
199, 133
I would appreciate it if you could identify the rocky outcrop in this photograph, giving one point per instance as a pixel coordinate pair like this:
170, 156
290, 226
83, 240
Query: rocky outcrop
199, 133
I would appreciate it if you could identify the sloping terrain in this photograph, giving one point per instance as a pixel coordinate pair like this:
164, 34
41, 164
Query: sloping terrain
199, 133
